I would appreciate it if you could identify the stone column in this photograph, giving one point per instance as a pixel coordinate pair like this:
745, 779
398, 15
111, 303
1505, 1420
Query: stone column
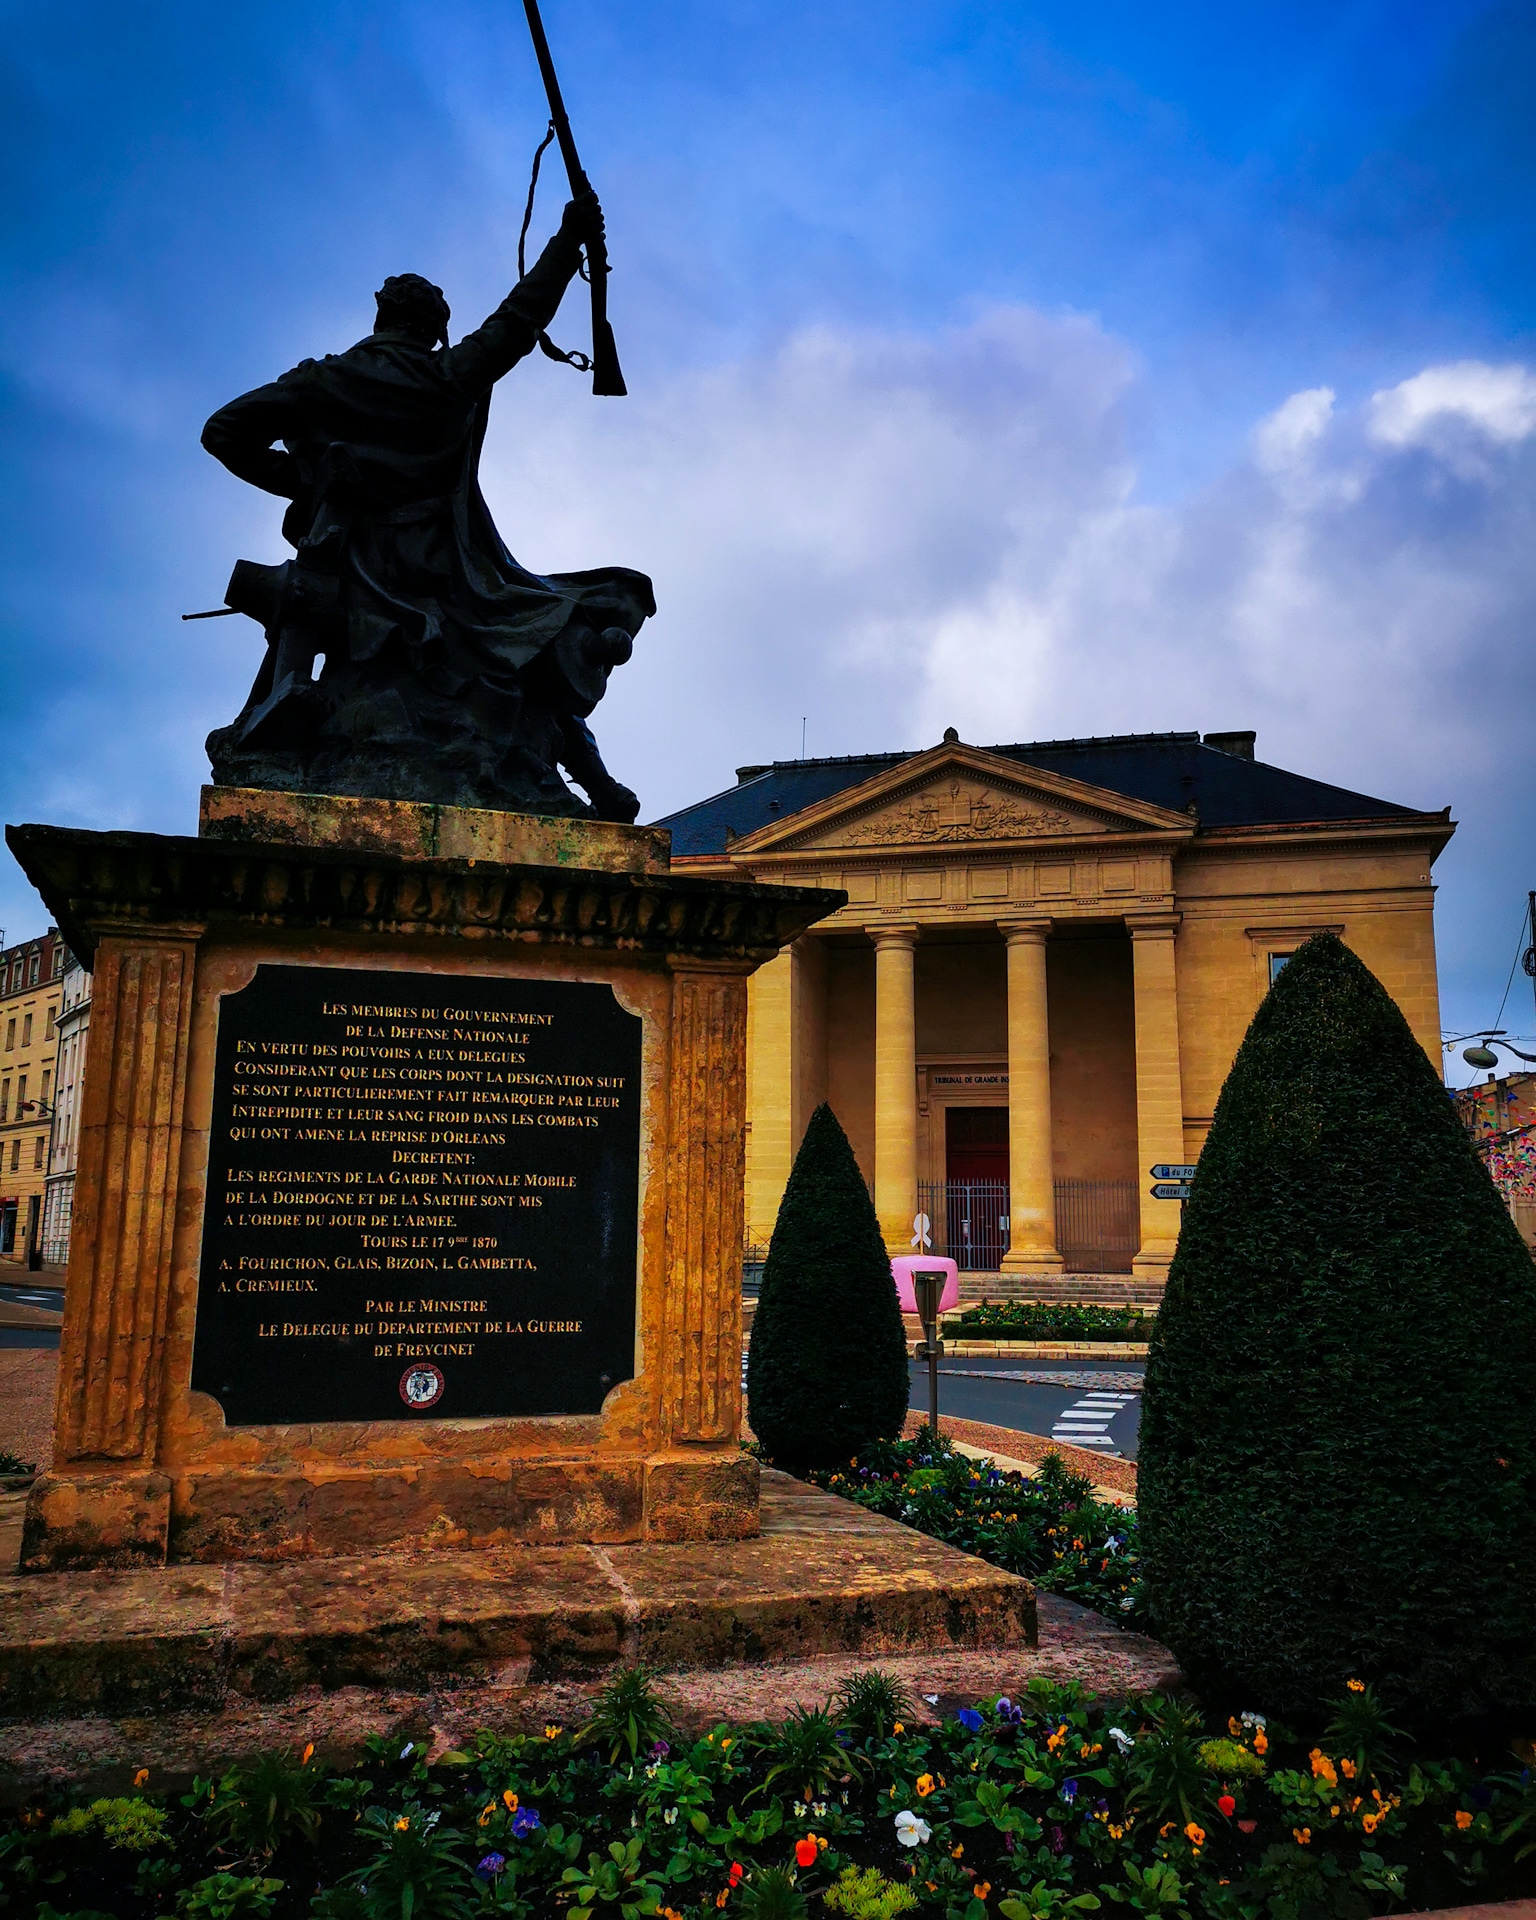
702, 1487
1159, 1090
895, 1082
1031, 1175
103, 1503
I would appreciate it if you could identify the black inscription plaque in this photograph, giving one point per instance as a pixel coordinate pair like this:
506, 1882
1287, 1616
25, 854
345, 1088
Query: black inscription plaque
423, 1196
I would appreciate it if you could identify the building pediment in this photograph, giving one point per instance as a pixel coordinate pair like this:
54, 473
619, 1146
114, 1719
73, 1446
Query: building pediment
957, 796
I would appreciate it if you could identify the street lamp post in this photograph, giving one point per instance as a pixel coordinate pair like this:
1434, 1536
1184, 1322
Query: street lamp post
928, 1287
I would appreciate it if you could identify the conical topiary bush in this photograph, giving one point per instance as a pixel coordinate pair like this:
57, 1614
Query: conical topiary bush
827, 1370
1338, 1440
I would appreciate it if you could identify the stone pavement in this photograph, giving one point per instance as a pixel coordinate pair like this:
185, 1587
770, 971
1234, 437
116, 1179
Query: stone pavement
27, 1381
103, 1752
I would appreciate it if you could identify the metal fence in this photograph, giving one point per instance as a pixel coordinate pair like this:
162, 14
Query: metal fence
970, 1221
1098, 1226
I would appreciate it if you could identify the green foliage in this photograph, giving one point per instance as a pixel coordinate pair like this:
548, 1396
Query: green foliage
1338, 1436
1155, 1890
1167, 1777
772, 1894
1045, 1901
628, 1716
1050, 1528
871, 1702
132, 1826
804, 1754
259, 1804
866, 1894
615, 1881
1033, 1320
1230, 1759
827, 1370
1361, 1729
12, 1463
228, 1896
413, 1872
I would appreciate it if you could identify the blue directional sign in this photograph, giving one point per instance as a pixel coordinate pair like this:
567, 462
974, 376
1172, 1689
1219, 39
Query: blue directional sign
1172, 1173
1169, 1191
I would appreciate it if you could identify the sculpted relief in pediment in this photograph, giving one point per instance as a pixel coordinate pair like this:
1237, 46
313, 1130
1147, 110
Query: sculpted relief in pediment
958, 811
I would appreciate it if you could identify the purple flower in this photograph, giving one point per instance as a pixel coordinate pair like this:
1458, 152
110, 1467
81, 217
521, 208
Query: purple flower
524, 1822
1006, 1710
491, 1865
1069, 1791
660, 1750
1058, 1840
970, 1719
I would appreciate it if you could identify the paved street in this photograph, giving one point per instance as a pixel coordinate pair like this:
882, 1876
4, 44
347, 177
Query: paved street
1098, 1405
29, 1314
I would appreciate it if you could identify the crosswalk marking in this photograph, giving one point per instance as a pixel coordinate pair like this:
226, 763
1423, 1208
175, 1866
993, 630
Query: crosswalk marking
1086, 1422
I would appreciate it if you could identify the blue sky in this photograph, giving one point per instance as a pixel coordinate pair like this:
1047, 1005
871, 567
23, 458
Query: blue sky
1037, 369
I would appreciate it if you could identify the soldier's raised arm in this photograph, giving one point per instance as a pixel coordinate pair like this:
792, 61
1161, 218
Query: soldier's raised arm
512, 331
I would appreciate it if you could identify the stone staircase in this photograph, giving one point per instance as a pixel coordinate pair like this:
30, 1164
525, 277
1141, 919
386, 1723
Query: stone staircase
1102, 1289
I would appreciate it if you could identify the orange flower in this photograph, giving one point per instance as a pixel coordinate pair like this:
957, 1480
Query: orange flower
1347, 1768
553, 1730
1371, 1821
981, 1889
805, 1851
485, 1814
141, 1776
924, 1785
1355, 1686
1195, 1835
1302, 1836
957, 1849
1261, 1741
309, 1754
509, 1801
1463, 1819
1322, 1767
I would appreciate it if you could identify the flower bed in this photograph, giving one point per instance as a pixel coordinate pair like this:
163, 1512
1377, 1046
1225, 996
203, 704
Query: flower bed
1028, 1809
1049, 1528
1021, 1320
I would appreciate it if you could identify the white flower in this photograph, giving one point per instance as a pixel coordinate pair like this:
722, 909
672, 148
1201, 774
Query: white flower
670, 1816
1253, 1720
911, 1831
932, 1699
1122, 1739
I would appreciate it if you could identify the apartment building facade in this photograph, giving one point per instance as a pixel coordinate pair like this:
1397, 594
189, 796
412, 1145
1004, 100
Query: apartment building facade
31, 983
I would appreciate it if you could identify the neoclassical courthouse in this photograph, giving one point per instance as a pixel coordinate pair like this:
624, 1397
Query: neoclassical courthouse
1049, 955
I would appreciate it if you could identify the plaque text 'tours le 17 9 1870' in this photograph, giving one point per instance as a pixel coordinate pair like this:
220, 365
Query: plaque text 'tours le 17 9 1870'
422, 1198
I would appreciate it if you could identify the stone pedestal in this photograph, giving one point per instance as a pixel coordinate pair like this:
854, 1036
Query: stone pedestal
405, 906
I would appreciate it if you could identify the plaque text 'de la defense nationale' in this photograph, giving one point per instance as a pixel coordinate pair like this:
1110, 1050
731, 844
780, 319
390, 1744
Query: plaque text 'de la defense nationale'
423, 1195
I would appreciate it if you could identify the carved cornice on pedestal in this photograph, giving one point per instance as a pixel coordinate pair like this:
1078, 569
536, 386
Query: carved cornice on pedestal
147, 884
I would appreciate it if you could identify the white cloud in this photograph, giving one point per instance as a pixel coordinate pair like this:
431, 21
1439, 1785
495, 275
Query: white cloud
1499, 402
1290, 434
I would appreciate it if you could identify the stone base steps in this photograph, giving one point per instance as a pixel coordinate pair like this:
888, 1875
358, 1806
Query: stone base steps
825, 1576
1104, 1289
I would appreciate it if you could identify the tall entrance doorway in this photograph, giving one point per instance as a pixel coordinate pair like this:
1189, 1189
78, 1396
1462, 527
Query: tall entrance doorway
973, 1215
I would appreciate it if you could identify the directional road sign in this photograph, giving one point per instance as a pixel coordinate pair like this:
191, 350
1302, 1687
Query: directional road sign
1170, 1191
1172, 1173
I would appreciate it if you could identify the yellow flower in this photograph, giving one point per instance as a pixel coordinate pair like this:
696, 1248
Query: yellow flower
1195, 1835
552, 1731
924, 1785
1463, 1819
1333, 1813
1116, 1833
898, 1728
957, 1849
727, 1741
141, 1776
403, 1824
1302, 1836
1355, 1686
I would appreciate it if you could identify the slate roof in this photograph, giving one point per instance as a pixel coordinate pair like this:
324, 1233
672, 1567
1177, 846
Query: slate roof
1168, 769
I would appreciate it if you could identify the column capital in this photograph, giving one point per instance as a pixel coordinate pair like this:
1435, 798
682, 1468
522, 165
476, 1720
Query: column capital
893, 933
1152, 926
1033, 930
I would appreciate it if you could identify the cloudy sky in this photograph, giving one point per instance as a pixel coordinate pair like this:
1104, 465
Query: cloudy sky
1016, 365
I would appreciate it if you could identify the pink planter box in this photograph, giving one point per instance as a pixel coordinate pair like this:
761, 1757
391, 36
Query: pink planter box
906, 1264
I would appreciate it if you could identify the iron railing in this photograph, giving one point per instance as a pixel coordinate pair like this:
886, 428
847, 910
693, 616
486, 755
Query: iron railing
970, 1221
1098, 1225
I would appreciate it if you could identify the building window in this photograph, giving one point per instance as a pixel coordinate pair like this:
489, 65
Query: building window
58, 961
10, 1035
37, 1152
34, 969
1276, 962
5, 1101
47, 1077
26, 1029
21, 1094
15, 1153
16, 975
48, 1025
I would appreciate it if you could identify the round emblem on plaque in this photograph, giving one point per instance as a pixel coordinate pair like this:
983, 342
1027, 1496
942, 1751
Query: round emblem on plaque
421, 1387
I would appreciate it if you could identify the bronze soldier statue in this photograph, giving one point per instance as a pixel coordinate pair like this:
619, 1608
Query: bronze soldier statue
451, 673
